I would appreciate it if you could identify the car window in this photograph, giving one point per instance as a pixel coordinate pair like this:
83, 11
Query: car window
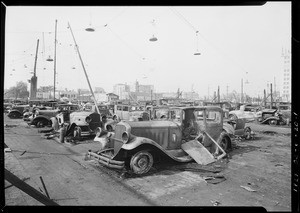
119, 107
125, 108
213, 117
175, 114
161, 114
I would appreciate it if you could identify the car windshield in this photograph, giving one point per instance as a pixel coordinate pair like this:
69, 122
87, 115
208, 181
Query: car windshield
161, 113
175, 114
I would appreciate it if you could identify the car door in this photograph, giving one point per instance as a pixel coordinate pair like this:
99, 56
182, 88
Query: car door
211, 123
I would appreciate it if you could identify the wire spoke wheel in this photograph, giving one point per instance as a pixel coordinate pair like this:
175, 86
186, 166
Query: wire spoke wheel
141, 162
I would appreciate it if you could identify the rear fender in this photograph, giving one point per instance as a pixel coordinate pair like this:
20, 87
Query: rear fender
270, 118
39, 118
15, 111
228, 128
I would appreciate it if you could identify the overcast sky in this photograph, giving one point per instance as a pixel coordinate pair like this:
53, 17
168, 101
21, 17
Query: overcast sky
235, 42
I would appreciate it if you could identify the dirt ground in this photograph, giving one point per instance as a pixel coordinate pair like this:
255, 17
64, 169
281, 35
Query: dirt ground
255, 173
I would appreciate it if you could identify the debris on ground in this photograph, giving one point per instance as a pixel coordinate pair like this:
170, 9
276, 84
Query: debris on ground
248, 188
9, 125
7, 150
214, 180
215, 202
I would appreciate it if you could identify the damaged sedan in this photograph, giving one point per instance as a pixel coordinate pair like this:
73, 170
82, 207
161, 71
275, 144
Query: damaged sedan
137, 145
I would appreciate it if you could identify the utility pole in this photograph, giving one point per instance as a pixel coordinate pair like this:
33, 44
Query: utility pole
55, 60
33, 81
242, 93
271, 96
218, 94
265, 101
95, 102
227, 92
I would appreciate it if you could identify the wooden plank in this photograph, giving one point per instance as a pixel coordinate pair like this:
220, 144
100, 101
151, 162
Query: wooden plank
28, 189
198, 152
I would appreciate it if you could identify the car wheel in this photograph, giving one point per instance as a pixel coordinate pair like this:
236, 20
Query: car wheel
109, 128
77, 133
115, 118
14, 115
247, 133
225, 143
40, 124
273, 122
141, 162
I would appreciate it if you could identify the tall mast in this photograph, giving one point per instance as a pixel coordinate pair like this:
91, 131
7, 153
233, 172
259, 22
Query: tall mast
95, 102
37, 47
55, 60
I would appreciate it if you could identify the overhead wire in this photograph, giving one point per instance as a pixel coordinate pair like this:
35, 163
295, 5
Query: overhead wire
178, 14
133, 50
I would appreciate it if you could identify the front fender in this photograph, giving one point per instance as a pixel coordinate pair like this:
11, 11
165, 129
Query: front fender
228, 128
38, 118
270, 118
140, 141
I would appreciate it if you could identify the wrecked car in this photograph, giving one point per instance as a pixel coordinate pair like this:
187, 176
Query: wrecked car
275, 117
130, 113
237, 124
17, 111
42, 117
80, 123
137, 145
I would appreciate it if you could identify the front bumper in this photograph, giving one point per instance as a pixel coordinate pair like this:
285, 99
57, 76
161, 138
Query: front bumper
106, 159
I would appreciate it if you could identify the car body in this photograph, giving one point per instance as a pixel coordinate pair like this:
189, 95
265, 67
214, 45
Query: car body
248, 113
80, 123
17, 111
275, 117
130, 112
42, 117
103, 109
136, 145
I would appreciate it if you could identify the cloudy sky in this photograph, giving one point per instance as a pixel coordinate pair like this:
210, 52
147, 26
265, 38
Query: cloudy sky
235, 42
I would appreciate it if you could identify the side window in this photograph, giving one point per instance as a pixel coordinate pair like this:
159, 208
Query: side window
125, 108
119, 108
213, 117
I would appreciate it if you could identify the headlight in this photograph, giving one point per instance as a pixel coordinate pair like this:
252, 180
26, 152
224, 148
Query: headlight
125, 137
37, 112
88, 119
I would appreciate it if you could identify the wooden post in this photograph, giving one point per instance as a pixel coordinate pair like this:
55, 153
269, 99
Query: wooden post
265, 101
271, 97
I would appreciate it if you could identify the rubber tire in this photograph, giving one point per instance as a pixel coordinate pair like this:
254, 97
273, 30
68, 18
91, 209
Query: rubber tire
247, 133
14, 115
109, 128
40, 124
77, 133
272, 122
98, 131
141, 162
225, 143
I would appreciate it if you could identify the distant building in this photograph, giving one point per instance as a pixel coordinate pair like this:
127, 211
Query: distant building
122, 90
112, 97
